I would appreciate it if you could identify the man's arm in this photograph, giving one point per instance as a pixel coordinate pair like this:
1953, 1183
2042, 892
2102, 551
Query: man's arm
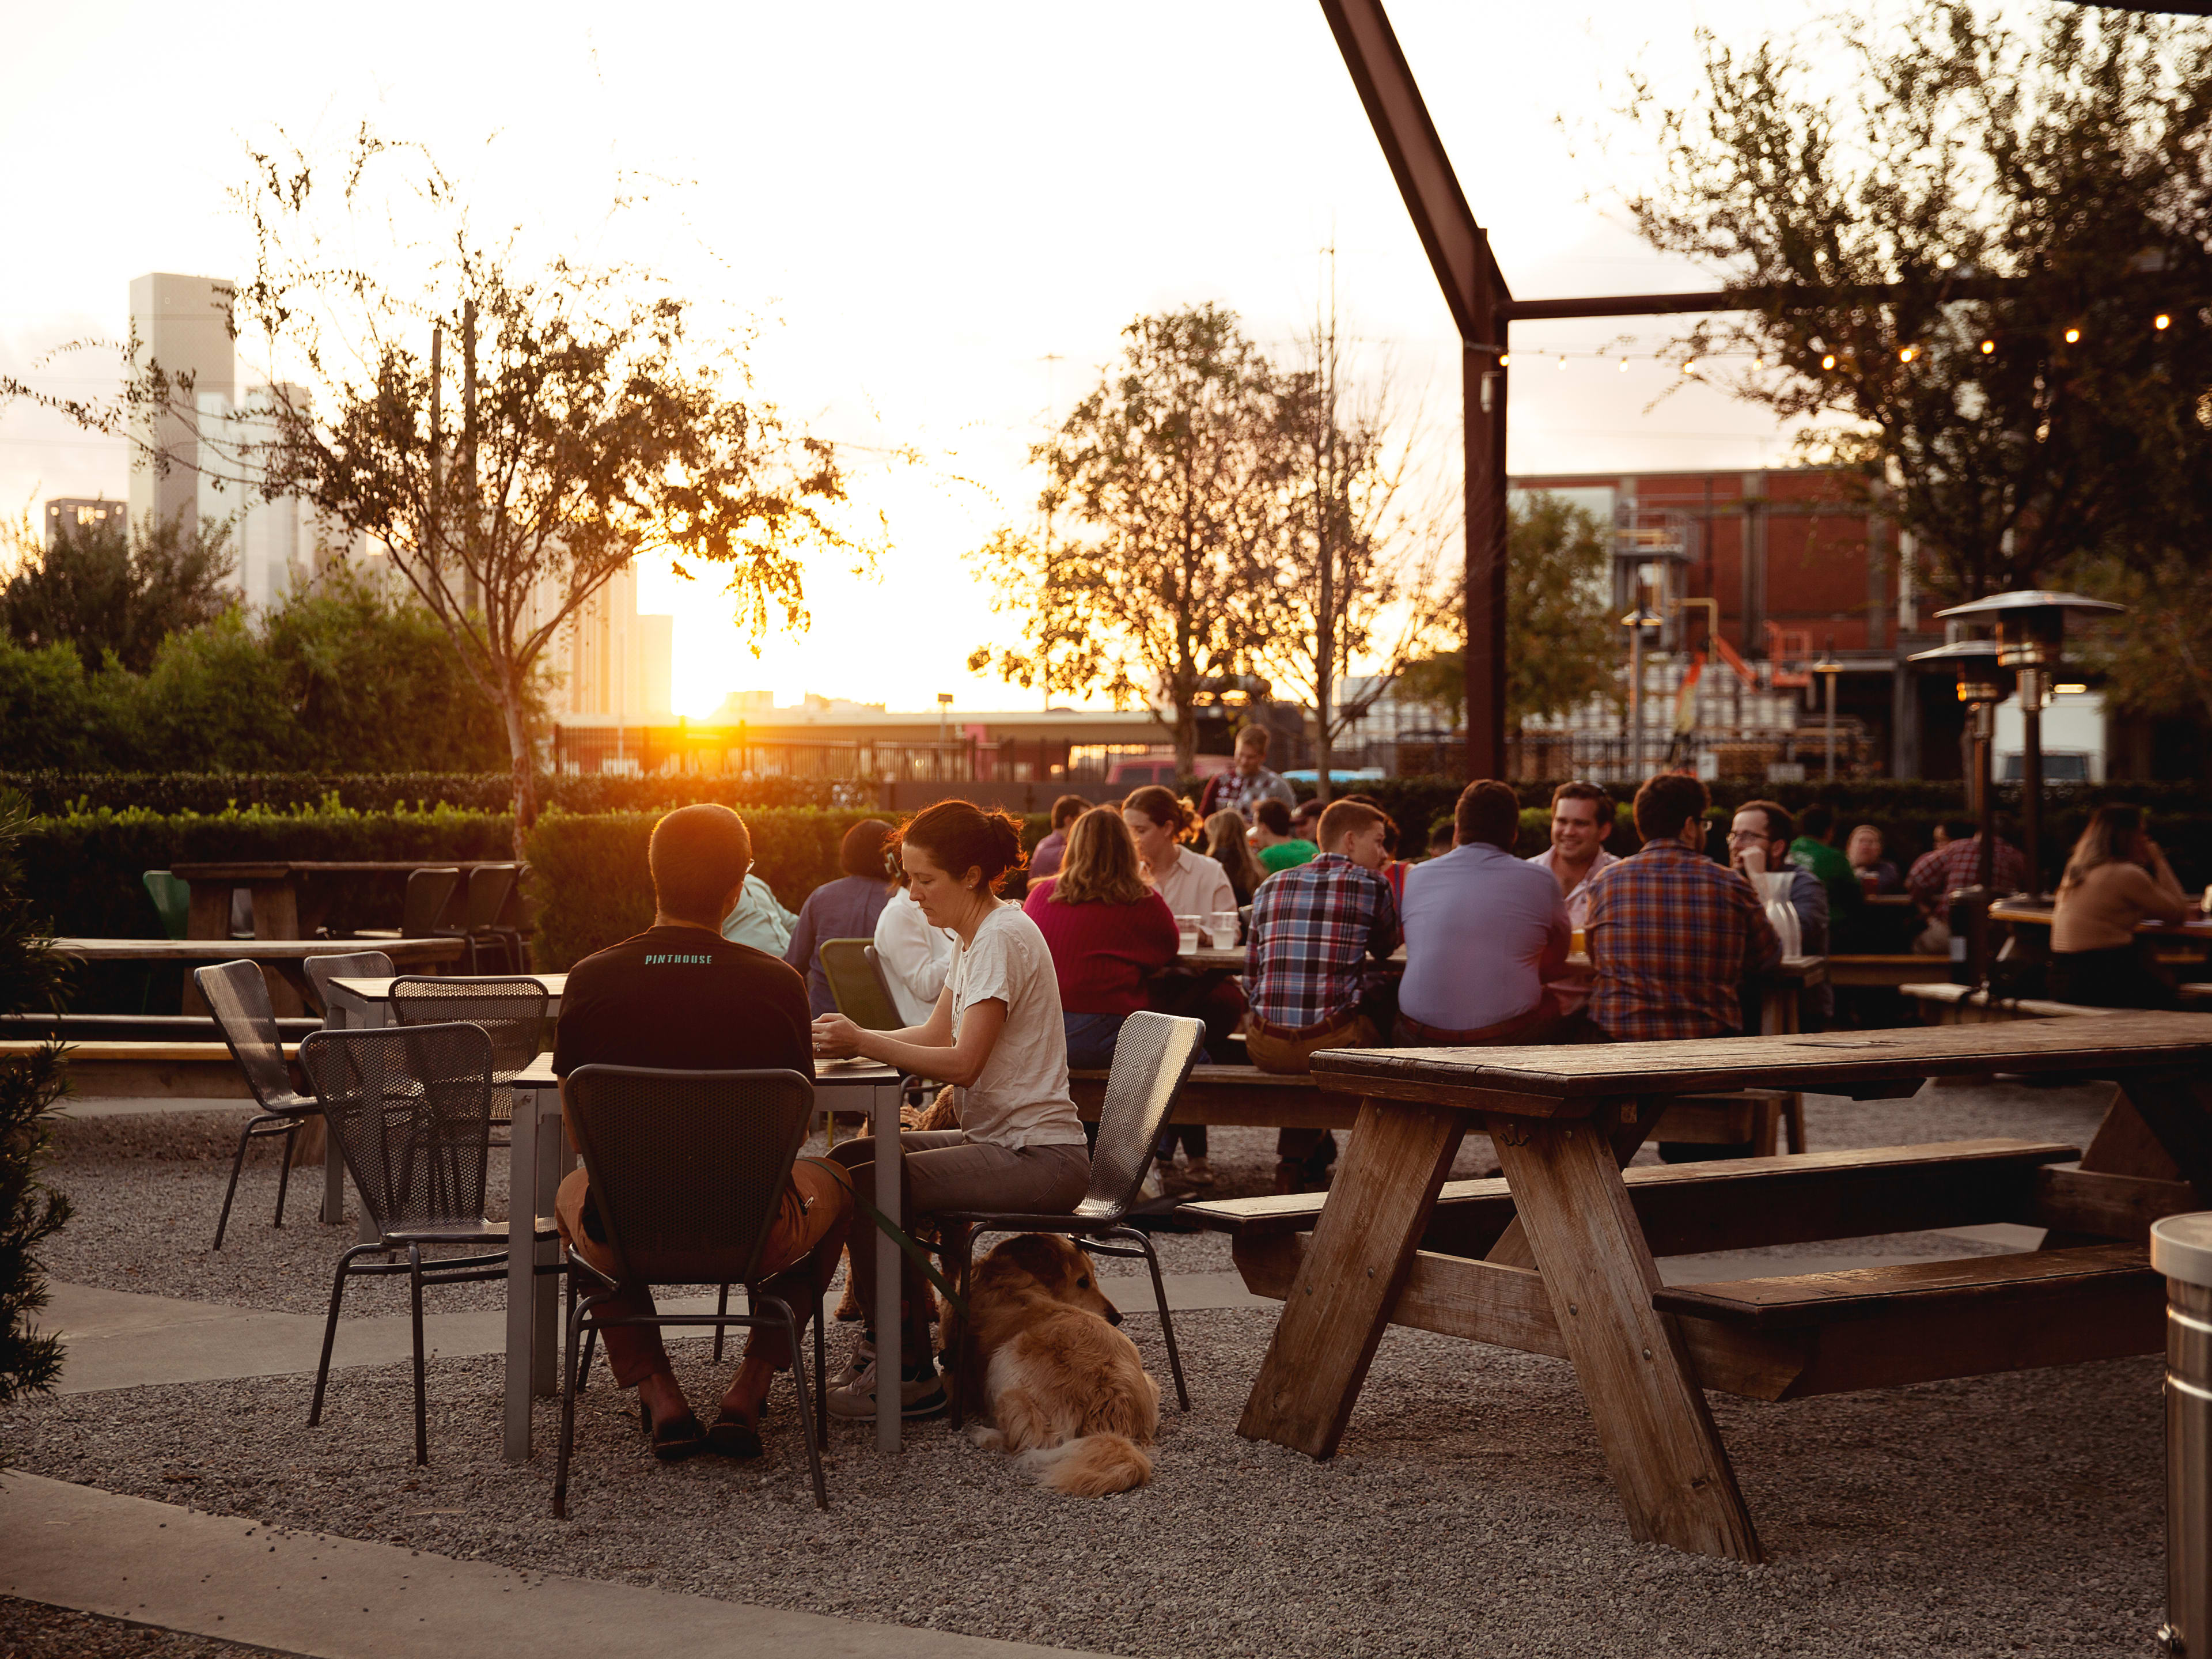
1808, 897
1386, 934
1762, 945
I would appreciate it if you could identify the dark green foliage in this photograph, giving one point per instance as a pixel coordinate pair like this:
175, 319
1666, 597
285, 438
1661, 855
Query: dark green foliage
105, 594
50, 792
31, 980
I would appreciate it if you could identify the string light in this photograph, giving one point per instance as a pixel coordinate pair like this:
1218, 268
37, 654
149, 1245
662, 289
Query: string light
1563, 360
2073, 337
2161, 321
1624, 365
1828, 361
1758, 362
1908, 354
1505, 359
1988, 346
1689, 368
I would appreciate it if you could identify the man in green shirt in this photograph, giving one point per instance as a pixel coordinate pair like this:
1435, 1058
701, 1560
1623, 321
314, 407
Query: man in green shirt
1278, 850
1815, 852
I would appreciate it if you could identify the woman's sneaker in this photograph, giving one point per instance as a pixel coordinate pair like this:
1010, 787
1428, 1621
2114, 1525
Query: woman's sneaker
861, 1363
920, 1394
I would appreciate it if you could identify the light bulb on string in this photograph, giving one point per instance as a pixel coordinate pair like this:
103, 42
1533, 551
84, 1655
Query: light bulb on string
1760, 361
1505, 359
1908, 354
1988, 346
2073, 337
1828, 361
1689, 368
2161, 321
1563, 360
1624, 365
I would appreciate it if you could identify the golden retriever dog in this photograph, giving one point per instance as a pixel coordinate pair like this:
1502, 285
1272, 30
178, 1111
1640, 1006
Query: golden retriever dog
1067, 1390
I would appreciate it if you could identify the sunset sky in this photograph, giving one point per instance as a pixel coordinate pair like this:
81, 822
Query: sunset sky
926, 206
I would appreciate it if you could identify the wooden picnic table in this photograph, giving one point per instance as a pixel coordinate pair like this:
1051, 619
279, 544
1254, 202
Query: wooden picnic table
275, 884
283, 961
1567, 1267
2037, 913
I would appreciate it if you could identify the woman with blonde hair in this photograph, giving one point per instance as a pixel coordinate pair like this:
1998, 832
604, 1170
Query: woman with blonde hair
1229, 844
2116, 880
1106, 930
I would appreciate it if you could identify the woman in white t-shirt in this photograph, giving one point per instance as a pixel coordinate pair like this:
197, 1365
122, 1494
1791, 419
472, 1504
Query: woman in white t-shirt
995, 1033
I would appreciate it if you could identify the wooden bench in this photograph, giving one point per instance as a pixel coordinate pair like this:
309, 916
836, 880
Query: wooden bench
1943, 1003
1887, 973
173, 1071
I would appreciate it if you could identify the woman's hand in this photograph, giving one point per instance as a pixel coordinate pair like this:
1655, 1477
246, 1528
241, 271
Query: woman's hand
835, 1037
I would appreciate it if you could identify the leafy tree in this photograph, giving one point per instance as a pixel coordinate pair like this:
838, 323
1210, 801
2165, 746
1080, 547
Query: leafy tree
1560, 645
31, 979
1170, 474
2042, 201
101, 590
578, 420
1355, 565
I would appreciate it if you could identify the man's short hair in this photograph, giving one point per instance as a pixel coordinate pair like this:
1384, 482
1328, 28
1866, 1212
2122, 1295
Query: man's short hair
1274, 815
1667, 802
1488, 812
699, 856
862, 852
1441, 832
1961, 828
1306, 809
1067, 809
1348, 817
1591, 792
1780, 826
1817, 820
1253, 738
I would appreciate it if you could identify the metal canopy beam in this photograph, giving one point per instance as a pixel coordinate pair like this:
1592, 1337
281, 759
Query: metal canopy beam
1459, 250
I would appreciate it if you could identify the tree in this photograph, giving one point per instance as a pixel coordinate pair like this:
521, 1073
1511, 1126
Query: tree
1560, 648
101, 590
1170, 473
1355, 567
2031, 393
31, 979
578, 422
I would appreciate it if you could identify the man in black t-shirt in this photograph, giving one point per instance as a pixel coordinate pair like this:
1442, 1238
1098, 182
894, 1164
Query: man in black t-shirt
680, 997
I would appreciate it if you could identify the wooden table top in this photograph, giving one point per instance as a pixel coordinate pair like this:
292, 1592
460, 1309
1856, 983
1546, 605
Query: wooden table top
828, 1073
1562, 1080
252, 950
380, 990
2037, 913
283, 869
1808, 970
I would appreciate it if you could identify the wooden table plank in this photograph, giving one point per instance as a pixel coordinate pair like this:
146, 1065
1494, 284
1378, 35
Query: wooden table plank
252, 950
1385, 1187
1668, 1463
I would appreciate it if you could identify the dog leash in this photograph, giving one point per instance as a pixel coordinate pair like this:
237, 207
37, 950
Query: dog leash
915, 1253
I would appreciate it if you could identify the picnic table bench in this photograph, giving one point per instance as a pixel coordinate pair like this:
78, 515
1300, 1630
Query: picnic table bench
107, 1068
1558, 1258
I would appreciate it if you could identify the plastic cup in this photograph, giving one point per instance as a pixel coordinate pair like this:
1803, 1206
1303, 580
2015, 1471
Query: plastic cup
1222, 924
1580, 944
1187, 928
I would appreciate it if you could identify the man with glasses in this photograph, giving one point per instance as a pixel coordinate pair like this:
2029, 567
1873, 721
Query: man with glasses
1758, 844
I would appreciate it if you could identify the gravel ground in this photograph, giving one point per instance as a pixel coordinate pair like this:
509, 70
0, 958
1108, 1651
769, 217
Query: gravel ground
32, 1630
1469, 1513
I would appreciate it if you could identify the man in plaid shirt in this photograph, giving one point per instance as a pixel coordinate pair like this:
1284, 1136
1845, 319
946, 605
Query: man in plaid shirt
1242, 789
1314, 930
1957, 863
1672, 933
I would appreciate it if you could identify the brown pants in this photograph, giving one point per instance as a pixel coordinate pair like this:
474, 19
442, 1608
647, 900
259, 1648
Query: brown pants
1291, 1055
1543, 1024
797, 1263
945, 1171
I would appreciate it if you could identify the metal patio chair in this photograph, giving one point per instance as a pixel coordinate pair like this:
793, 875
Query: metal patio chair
237, 996
512, 1012
423, 913
1152, 1059
856, 980
410, 1109
356, 964
688, 1171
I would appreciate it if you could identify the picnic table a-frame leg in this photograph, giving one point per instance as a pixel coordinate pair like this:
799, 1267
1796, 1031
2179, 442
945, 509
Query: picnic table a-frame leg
1364, 1242
1668, 1466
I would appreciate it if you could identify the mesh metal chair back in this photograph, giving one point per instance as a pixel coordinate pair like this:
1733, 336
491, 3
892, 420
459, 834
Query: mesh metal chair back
357, 964
239, 997
1152, 1059
510, 916
512, 1012
430, 895
857, 984
172, 901
688, 1169
489, 884
409, 1107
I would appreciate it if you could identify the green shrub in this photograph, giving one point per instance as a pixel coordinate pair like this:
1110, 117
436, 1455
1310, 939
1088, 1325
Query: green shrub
30, 980
64, 791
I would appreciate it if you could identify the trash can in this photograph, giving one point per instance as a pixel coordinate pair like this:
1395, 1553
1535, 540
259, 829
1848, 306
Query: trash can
2181, 1248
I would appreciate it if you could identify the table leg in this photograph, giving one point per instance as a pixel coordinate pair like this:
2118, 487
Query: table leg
2176, 1107
553, 1160
345, 1013
276, 910
209, 915
1665, 1457
1633, 1122
889, 1159
522, 1282
1372, 1224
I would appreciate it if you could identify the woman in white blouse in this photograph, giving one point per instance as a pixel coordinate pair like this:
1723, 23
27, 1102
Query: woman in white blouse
915, 956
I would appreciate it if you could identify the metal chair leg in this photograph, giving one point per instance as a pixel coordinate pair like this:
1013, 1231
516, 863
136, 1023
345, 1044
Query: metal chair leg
422, 1414
330, 1330
721, 1307
1167, 1320
821, 1373
284, 1175
956, 1398
569, 1375
782, 1308
238, 1163
590, 1337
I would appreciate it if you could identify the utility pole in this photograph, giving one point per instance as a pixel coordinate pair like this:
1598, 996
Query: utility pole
1325, 486
433, 555
471, 590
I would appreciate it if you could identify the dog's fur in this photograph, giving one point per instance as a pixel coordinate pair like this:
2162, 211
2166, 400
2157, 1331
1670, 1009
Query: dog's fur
1067, 1390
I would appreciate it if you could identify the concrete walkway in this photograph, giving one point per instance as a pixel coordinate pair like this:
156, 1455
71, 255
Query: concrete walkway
123, 1340
331, 1598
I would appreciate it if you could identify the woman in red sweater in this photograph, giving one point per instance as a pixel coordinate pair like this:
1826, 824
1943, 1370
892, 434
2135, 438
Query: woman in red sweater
1106, 930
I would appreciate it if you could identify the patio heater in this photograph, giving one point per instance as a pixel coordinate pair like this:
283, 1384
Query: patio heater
2031, 629
1982, 686
1637, 621
1829, 667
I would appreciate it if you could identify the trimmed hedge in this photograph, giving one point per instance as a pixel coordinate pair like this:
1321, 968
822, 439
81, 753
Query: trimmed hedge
213, 792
